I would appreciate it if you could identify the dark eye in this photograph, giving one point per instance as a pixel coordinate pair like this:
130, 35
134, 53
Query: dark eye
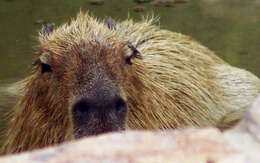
45, 68
134, 54
128, 60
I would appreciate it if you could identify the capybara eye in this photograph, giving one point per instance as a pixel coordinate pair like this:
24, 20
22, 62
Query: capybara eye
120, 106
134, 54
45, 68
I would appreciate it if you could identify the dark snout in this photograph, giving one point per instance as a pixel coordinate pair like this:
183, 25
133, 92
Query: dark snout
98, 114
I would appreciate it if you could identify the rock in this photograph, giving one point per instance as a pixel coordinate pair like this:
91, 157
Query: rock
138, 9
246, 136
163, 3
189, 145
205, 145
97, 2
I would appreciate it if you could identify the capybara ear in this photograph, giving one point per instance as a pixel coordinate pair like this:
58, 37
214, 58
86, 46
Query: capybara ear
45, 62
111, 23
134, 54
47, 29
45, 58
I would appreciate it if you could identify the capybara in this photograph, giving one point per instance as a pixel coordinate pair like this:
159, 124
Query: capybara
92, 77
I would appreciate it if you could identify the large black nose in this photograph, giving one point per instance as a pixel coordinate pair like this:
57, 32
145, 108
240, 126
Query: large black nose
85, 106
93, 116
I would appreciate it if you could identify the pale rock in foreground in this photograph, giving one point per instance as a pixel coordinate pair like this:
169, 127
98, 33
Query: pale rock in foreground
238, 145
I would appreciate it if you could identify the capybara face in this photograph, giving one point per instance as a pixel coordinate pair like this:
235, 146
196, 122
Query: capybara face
87, 76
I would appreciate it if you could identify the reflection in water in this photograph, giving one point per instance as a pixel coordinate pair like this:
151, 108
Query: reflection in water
230, 28
238, 10
238, 43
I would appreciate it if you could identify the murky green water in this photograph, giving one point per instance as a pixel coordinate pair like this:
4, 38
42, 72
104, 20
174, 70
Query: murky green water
229, 27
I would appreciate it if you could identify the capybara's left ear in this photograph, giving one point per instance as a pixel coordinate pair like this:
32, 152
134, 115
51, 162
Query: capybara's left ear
47, 29
111, 23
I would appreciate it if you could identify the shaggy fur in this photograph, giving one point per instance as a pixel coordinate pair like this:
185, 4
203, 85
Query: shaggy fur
176, 83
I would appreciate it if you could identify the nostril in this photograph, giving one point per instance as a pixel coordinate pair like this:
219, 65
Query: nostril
81, 108
120, 106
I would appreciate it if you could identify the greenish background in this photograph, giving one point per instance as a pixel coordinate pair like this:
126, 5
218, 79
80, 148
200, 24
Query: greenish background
231, 28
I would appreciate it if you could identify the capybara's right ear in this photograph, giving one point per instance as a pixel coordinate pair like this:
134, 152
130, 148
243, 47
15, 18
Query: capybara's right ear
47, 29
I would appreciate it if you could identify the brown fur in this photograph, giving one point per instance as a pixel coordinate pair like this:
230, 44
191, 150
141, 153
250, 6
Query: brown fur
177, 82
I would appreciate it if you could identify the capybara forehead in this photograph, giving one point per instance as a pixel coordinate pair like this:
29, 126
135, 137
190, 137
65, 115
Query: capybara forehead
87, 52
83, 40
84, 27
85, 57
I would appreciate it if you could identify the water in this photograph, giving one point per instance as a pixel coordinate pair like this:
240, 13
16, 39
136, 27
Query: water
231, 28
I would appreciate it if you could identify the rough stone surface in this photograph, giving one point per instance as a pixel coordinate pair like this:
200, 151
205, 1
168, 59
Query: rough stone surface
246, 136
238, 145
173, 146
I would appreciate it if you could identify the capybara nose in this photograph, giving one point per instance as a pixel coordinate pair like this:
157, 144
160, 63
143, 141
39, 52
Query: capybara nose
93, 116
85, 106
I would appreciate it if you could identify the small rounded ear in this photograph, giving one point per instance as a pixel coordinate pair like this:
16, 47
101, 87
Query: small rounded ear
45, 58
45, 62
111, 23
47, 29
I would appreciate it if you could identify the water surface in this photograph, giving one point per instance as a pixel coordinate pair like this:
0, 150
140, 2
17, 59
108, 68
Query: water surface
231, 28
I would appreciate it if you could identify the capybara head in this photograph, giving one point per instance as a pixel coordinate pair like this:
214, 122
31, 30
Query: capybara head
84, 74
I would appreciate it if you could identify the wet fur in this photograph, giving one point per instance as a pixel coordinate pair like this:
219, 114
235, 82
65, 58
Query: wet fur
177, 83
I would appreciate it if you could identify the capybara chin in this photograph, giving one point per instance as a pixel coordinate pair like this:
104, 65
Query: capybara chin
92, 77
